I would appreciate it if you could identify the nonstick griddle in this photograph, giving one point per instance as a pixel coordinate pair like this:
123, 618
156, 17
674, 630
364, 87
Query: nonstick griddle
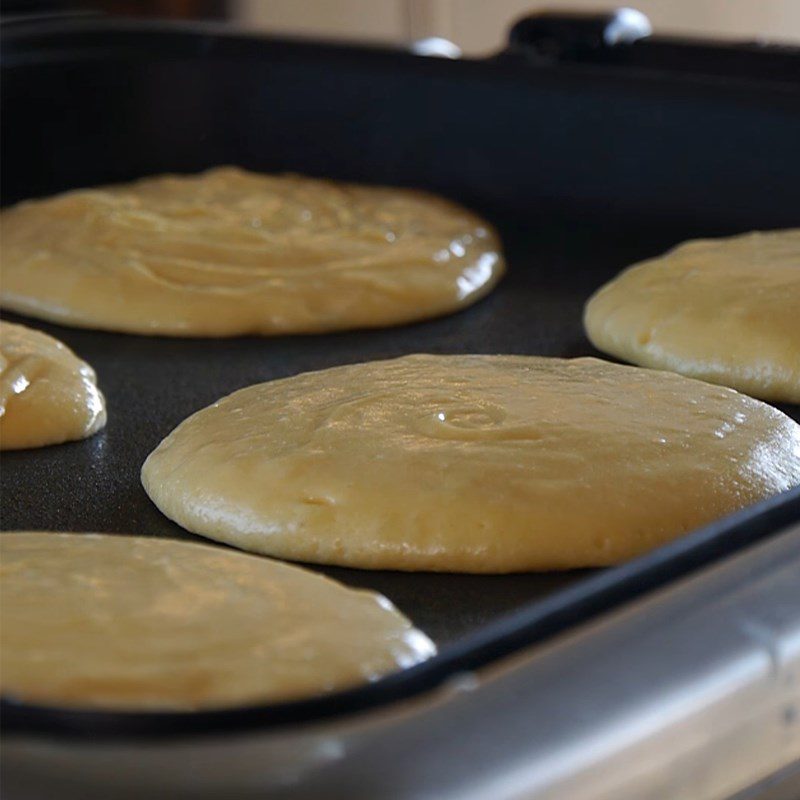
584, 166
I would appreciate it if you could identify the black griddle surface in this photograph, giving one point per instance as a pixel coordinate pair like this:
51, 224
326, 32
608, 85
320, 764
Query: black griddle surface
152, 384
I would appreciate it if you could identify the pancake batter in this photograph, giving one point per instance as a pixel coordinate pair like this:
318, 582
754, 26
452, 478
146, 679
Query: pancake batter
47, 394
470, 463
121, 622
230, 252
724, 310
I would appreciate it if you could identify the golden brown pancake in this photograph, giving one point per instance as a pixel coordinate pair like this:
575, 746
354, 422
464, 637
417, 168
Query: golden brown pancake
723, 310
230, 252
470, 463
123, 622
47, 394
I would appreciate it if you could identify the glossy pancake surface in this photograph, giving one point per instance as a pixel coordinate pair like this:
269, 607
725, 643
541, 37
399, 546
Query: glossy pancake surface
122, 622
231, 252
470, 463
723, 310
47, 394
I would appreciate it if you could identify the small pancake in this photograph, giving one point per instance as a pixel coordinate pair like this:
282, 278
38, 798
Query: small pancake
470, 463
123, 622
229, 252
723, 310
47, 394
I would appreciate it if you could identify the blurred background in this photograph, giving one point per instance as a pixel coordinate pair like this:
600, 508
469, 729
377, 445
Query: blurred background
476, 26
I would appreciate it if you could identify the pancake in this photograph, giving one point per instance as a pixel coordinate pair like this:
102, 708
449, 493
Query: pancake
470, 463
229, 252
130, 623
723, 310
47, 394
